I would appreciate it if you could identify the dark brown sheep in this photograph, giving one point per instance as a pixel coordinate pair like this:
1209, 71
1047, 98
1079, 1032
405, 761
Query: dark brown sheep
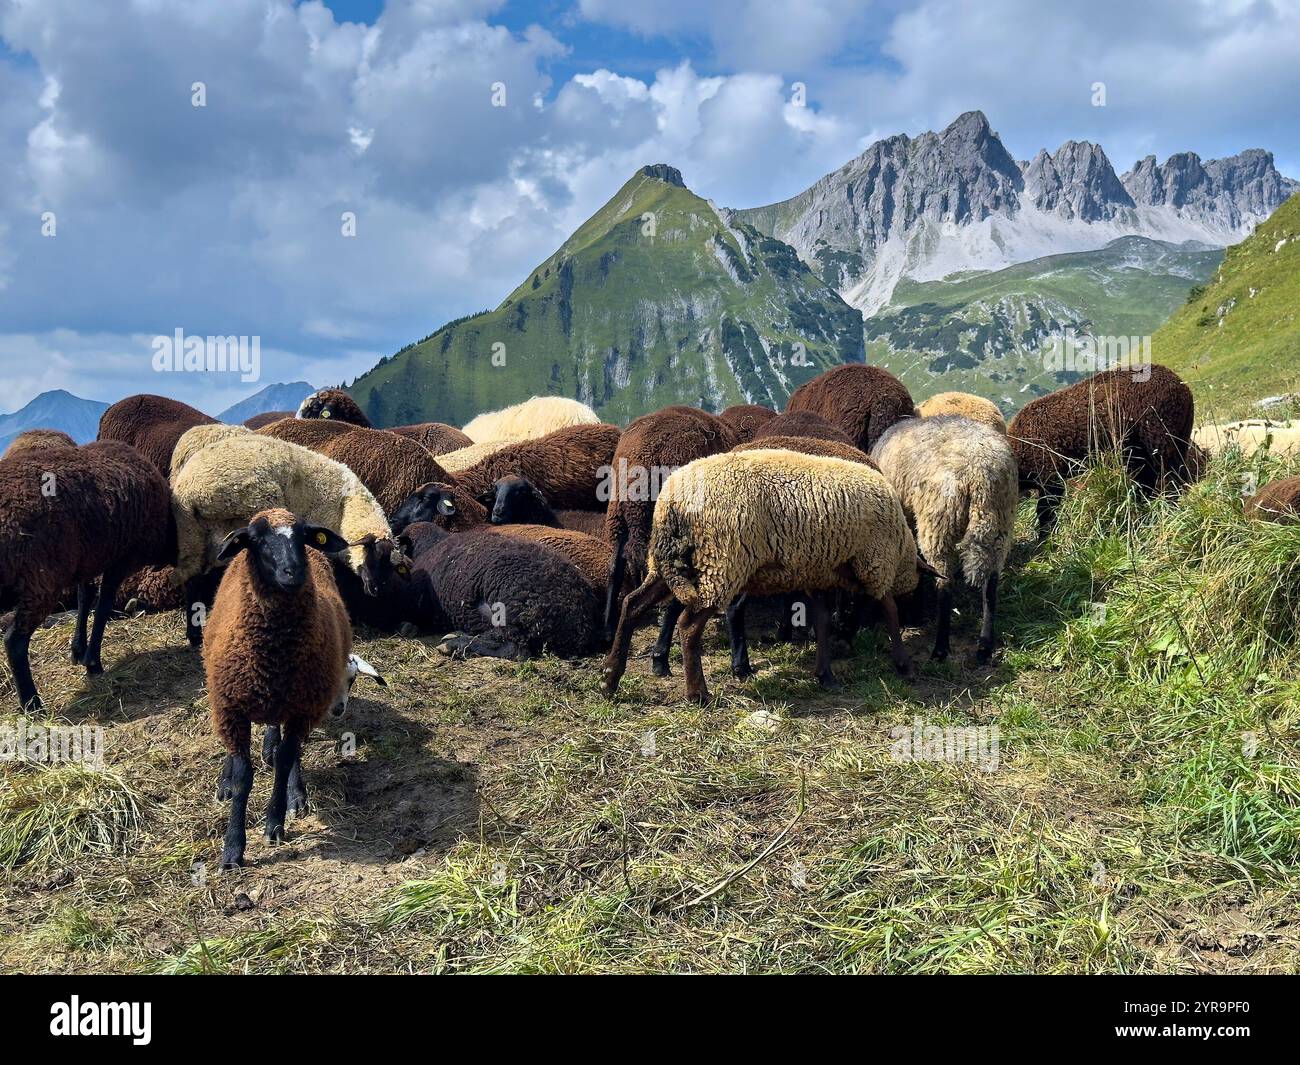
1277, 501
275, 652
434, 437
305, 432
568, 466
746, 419
152, 425
861, 401
333, 404
1147, 417
150, 590
266, 418
804, 423
391, 466
35, 439
68, 516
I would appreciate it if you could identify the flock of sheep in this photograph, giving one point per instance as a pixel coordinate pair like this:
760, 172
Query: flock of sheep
538, 528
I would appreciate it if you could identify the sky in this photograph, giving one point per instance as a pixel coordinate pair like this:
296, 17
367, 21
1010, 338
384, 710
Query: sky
127, 212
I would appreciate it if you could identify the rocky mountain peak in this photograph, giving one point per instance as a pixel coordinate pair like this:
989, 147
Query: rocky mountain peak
1230, 190
670, 175
1076, 181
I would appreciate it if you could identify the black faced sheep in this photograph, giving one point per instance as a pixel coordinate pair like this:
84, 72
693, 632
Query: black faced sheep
720, 530
803, 423
746, 419
568, 466
1144, 415
333, 404
151, 424
275, 652
67, 516
861, 401
516, 501
958, 485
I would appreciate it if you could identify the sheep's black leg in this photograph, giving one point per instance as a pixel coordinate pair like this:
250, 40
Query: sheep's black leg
984, 651
200, 592
285, 756
108, 585
17, 641
85, 596
224, 790
897, 652
785, 628
241, 785
638, 603
821, 617
297, 793
740, 666
943, 627
270, 741
1049, 501
614, 585
692, 663
659, 656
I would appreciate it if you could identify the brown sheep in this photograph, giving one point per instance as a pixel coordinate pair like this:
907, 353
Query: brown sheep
266, 418
306, 432
1146, 416
569, 466
804, 423
1277, 501
335, 405
150, 590
34, 439
435, 437
391, 466
152, 425
810, 445
976, 408
275, 652
69, 515
861, 401
746, 419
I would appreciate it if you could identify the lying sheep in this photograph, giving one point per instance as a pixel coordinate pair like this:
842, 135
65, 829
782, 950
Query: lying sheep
861, 401
391, 466
69, 515
435, 437
568, 466
803, 423
1281, 438
1146, 417
152, 424
333, 404
746, 419
275, 652
306, 432
35, 439
530, 419
463, 458
958, 483
720, 531
1278, 501
976, 408
149, 590
516, 500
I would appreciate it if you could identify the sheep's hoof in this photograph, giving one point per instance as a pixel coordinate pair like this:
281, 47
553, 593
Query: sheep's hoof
827, 680
408, 630
659, 667
297, 806
743, 671
939, 654
983, 655
231, 858
904, 667
94, 668
274, 833
78, 652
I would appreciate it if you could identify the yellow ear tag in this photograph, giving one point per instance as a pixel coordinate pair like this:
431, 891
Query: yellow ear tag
325, 414
402, 570
320, 538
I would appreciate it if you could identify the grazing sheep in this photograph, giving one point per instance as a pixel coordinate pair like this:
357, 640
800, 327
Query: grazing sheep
746, 419
1277, 501
958, 483
306, 432
721, 530
266, 418
861, 401
976, 408
221, 485
569, 466
69, 515
1281, 438
150, 590
275, 652
435, 437
152, 425
1148, 421
35, 439
530, 419
649, 450
463, 458
809, 445
803, 423
334, 404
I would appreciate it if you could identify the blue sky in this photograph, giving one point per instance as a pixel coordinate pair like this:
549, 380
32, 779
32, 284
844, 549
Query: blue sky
226, 219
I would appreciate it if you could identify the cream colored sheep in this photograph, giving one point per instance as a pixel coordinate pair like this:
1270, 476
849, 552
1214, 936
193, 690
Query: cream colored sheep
1281, 438
229, 477
768, 522
199, 437
531, 418
465, 457
959, 486
976, 408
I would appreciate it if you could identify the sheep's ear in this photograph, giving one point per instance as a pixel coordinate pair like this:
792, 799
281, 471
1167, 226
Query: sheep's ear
486, 497
235, 543
324, 540
446, 507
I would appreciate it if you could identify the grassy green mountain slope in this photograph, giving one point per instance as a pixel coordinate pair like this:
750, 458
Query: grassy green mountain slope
1237, 339
658, 298
987, 333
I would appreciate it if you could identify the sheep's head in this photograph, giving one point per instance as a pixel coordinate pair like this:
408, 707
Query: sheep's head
382, 560
515, 500
333, 403
277, 543
445, 505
